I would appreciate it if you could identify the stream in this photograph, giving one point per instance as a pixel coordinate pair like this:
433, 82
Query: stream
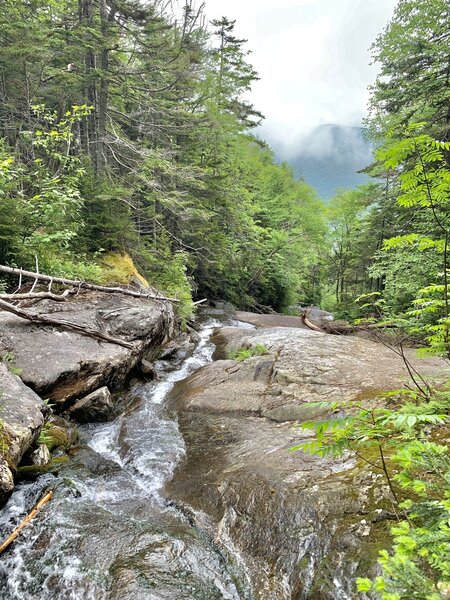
109, 532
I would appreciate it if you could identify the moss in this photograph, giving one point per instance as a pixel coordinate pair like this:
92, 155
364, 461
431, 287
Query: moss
118, 267
32, 471
56, 436
53, 437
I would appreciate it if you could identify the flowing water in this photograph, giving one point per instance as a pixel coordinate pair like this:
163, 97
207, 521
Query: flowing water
110, 533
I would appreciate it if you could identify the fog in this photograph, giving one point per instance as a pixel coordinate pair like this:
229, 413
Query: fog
313, 59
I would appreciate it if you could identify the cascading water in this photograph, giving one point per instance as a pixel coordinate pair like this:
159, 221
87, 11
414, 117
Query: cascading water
109, 533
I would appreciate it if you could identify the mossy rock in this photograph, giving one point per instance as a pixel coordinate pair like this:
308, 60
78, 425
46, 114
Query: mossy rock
33, 471
118, 267
58, 433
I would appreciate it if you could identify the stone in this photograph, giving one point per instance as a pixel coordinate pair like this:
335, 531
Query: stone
63, 365
147, 368
225, 306
6, 480
270, 320
304, 526
178, 349
41, 456
21, 418
97, 406
295, 412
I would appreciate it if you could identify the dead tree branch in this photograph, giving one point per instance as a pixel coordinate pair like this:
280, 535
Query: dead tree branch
15, 534
84, 284
69, 325
38, 296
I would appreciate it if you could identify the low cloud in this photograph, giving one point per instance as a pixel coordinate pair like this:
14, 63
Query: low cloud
313, 59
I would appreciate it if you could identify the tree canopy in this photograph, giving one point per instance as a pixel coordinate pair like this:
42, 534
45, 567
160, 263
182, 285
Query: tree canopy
126, 129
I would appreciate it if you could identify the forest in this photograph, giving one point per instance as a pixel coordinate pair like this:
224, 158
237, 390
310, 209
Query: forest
126, 131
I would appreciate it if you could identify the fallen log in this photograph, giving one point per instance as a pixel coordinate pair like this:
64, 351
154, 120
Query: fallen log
38, 296
69, 325
17, 531
341, 327
83, 284
309, 324
200, 301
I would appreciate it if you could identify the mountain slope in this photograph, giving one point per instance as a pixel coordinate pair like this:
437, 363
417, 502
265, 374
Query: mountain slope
329, 158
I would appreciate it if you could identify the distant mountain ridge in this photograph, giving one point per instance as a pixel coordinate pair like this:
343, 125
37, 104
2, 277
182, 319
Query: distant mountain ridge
329, 158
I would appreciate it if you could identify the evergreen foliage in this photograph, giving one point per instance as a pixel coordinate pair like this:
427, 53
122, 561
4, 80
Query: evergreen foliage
389, 246
126, 129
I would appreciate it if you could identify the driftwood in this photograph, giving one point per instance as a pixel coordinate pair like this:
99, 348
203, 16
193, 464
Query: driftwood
17, 531
310, 324
200, 301
69, 325
38, 296
83, 284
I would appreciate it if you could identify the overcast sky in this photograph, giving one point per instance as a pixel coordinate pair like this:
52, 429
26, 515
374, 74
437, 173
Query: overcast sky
312, 56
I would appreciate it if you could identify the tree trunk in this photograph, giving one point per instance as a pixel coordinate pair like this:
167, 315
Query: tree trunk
90, 141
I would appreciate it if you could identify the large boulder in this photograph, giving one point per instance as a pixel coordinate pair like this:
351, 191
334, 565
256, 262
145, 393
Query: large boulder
270, 320
303, 526
21, 418
300, 366
62, 365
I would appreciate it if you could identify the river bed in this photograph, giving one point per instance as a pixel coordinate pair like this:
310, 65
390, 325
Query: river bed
110, 533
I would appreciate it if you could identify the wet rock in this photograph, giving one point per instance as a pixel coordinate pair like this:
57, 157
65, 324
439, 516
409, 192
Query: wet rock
6, 480
295, 412
63, 365
97, 406
177, 350
286, 513
147, 368
21, 418
305, 526
41, 456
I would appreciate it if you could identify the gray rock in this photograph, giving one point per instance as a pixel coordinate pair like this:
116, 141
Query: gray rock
295, 412
270, 320
97, 406
225, 306
21, 418
178, 349
305, 526
6, 479
147, 368
41, 456
62, 365
302, 366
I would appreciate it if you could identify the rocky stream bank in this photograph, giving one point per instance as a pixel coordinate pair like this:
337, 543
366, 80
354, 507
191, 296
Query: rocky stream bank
74, 373
187, 489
